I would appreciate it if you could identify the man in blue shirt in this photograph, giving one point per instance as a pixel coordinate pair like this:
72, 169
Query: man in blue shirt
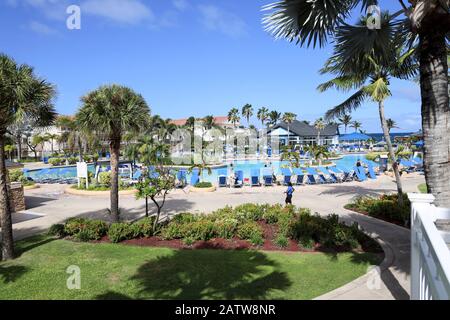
290, 190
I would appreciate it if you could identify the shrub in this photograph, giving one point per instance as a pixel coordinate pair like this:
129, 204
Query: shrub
56, 230
173, 231
281, 241
271, 214
85, 229
72, 160
188, 241
16, 175
55, 161
120, 231
257, 239
226, 228
104, 178
306, 243
184, 217
251, 211
200, 230
248, 230
143, 227
203, 185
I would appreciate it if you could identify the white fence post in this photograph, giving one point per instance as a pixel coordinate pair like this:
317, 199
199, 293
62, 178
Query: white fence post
417, 199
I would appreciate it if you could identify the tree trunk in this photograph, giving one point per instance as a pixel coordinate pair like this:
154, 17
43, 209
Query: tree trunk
80, 149
7, 242
288, 136
435, 114
387, 137
114, 195
146, 207
19, 148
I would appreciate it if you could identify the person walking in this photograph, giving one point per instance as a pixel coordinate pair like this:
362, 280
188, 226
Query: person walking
290, 190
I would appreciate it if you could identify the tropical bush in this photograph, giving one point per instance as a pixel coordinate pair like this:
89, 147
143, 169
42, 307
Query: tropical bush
56, 161
104, 178
85, 229
373, 155
120, 231
56, 230
16, 175
203, 185
384, 207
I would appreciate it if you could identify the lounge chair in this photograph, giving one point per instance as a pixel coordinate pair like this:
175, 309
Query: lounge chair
325, 174
337, 174
286, 172
311, 176
222, 177
348, 173
299, 176
195, 177
360, 174
418, 162
239, 182
371, 170
409, 165
181, 177
266, 173
255, 178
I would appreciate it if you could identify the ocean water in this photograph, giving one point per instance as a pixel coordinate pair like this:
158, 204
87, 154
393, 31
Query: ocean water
380, 137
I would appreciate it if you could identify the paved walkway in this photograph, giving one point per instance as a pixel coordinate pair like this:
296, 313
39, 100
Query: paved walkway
48, 205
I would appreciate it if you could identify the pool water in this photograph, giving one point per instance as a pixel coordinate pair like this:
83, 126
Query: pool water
246, 166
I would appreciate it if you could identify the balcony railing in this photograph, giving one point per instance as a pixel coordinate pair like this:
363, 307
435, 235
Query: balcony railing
430, 254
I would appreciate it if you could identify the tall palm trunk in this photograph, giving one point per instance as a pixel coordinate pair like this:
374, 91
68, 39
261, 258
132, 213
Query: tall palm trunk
289, 136
7, 242
114, 194
19, 148
80, 149
435, 115
387, 137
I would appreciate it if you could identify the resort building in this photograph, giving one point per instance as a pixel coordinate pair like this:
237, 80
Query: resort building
221, 121
300, 133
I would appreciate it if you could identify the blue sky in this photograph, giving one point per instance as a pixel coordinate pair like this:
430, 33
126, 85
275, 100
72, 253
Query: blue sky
186, 57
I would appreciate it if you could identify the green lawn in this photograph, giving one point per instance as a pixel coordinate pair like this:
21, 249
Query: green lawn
422, 188
118, 271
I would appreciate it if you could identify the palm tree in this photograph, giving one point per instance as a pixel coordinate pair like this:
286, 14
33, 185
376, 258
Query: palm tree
247, 112
422, 23
318, 152
262, 115
51, 137
113, 110
391, 124
274, 117
356, 125
288, 118
233, 116
72, 136
21, 92
319, 124
371, 79
346, 119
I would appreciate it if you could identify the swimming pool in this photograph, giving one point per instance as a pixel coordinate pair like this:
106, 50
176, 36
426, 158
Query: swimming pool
245, 165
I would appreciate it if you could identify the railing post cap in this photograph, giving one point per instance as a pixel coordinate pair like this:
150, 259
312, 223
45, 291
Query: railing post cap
421, 197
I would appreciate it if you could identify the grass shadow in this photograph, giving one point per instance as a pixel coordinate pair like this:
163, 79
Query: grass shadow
210, 274
11, 273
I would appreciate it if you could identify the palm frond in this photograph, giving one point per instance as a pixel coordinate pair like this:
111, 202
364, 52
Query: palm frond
348, 105
304, 21
342, 83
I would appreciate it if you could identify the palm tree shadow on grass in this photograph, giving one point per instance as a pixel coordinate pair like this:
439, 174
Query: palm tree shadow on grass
208, 274
11, 273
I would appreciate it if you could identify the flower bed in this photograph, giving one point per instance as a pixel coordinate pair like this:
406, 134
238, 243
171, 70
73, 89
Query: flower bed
384, 207
248, 226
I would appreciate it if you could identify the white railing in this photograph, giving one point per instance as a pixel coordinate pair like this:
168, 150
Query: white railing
430, 255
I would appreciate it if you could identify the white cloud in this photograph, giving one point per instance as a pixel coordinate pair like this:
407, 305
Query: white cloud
128, 12
217, 19
180, 5
41, 28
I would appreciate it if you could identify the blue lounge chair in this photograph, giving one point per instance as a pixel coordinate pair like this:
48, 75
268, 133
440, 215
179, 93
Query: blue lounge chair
327, 175
311, 176
255, 178
348, 173
239, 182
360, 174
195, 177
266, 173
286, 172
409, 165
372, 174
182, 178
222, 176
299, 176
336, 173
